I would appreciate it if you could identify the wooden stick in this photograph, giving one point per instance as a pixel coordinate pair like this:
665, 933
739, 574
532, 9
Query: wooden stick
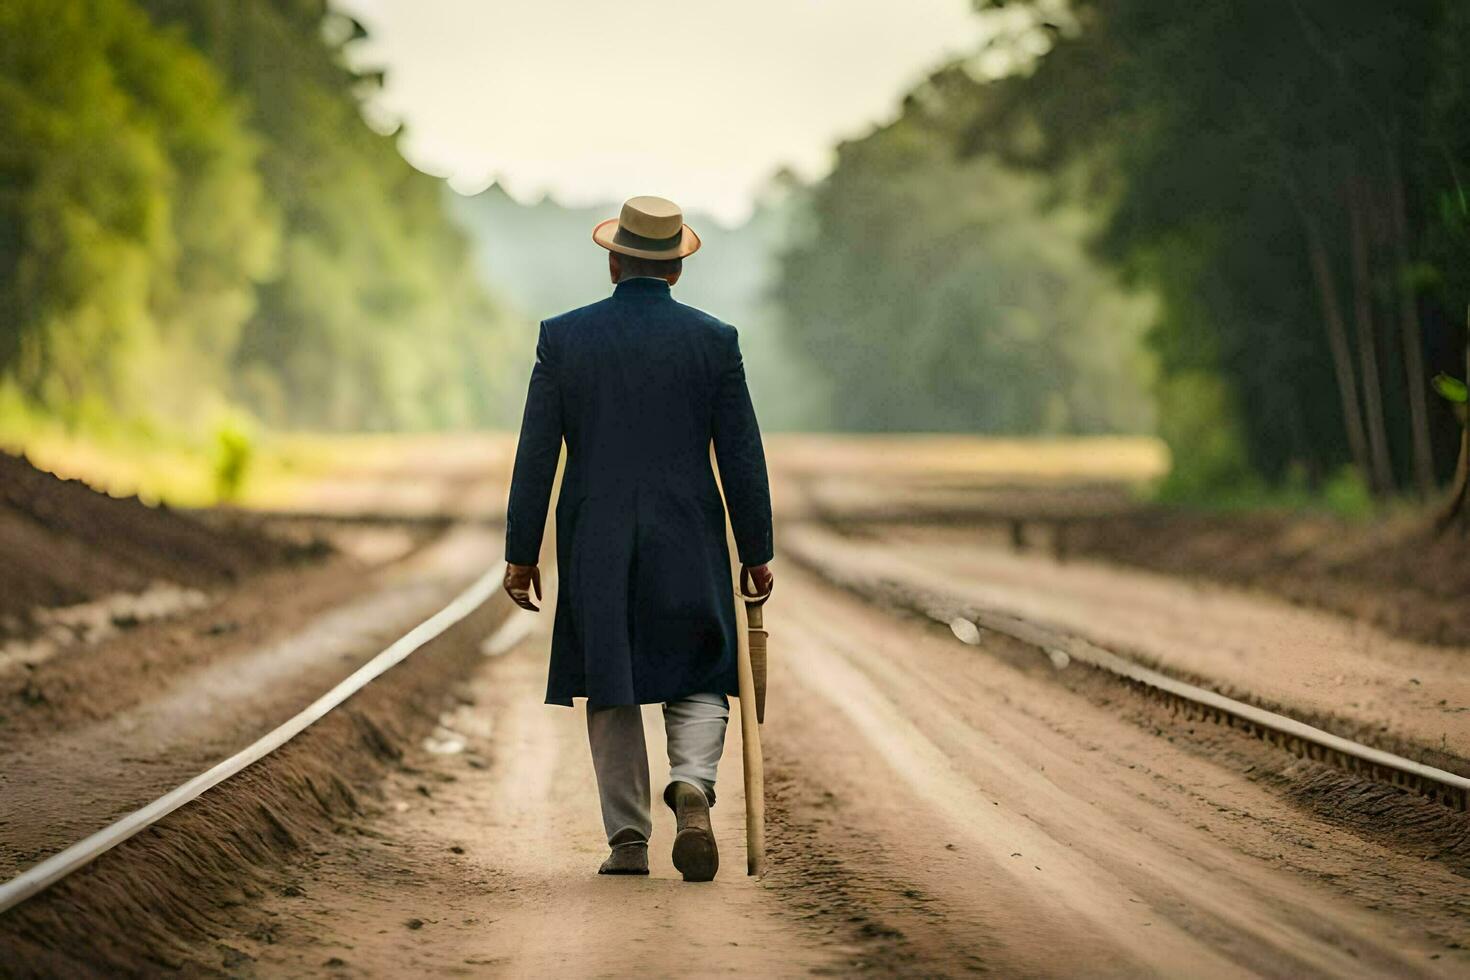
757, 637
755, 775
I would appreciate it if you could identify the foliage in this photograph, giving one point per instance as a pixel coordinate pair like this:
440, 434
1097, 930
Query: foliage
937, 293
162, 464
1345, 494
232, 457
133, 226
376, 320
194, 214
1289, 178
1197, 419
1450, 389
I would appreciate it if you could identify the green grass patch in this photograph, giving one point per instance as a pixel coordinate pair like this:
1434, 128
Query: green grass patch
230, 461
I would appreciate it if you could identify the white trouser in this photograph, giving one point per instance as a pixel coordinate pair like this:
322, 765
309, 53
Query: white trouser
695, 730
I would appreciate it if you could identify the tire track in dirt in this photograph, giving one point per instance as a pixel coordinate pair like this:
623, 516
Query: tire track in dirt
61, 785
492, 869
922, 735
935, 810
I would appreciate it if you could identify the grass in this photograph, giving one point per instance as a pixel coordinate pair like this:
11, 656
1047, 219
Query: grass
229, 465
1343, 495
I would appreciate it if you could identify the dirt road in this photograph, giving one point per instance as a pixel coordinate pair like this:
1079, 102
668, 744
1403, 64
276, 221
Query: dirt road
1316, 666
493, 869
936, 808
937, 811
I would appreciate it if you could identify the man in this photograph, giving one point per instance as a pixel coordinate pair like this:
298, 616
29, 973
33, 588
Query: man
639, 385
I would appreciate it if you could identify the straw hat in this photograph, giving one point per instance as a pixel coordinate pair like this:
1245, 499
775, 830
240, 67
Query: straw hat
649, 228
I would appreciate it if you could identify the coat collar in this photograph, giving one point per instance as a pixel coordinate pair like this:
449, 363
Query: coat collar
642, 286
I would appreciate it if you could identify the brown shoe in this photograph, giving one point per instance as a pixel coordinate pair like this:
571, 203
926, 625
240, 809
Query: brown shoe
695, 854
629, 854
626, 859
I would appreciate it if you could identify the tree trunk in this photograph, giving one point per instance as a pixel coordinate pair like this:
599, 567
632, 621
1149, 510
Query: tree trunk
1457, 510
1410, 335
1382, 482
1457, 513
1337, 342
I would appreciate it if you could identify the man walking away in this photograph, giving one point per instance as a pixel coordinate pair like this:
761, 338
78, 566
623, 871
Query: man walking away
638, 385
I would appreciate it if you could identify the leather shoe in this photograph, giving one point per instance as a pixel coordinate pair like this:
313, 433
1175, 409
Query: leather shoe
629, 854
626, 859
695, 854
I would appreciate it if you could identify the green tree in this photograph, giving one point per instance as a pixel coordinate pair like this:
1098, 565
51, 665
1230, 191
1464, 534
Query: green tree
194, 213
375, 319
134, 226
1275, 171
936, 292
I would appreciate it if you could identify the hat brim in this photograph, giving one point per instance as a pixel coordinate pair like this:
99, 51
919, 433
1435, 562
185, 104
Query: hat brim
603, 235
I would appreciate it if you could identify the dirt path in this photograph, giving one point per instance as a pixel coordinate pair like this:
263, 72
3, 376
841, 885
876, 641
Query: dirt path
1314, 665
1044, 834
100, 729
492, 870
935, 811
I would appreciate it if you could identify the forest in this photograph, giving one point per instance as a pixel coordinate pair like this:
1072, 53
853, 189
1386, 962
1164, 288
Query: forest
1286, 182
1243, 226
195, 220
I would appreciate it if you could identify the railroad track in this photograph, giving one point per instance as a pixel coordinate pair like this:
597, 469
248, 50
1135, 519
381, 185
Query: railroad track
966, 621
963, 619
57, 867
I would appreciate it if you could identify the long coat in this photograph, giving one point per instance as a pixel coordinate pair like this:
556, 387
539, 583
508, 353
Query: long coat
638, 386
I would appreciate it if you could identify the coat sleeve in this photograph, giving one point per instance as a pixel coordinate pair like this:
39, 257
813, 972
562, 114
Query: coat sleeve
536, 457
742, 461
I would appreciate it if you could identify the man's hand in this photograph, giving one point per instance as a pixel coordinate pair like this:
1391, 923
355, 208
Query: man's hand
760, 578
519, 580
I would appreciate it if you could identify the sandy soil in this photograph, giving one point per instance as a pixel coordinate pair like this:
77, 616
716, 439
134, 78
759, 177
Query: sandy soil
1314, 665
490, 869
936, 811
63, 780
94, 728
1080, 498
1399, 575
163, 900
66, 544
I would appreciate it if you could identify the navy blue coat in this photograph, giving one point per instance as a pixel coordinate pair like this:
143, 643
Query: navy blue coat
639, 385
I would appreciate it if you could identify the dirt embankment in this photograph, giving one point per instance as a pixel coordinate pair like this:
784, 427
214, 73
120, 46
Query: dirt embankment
936, 809
1399, 576
184, 895
1394, 572
66, 544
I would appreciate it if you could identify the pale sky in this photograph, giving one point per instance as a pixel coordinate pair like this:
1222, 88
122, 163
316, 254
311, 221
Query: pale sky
695, 100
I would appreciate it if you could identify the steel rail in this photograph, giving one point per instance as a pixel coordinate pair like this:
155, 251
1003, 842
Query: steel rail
1302, 739
59, 865
1298, 737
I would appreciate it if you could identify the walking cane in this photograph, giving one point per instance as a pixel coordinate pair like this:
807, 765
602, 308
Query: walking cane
752, 676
